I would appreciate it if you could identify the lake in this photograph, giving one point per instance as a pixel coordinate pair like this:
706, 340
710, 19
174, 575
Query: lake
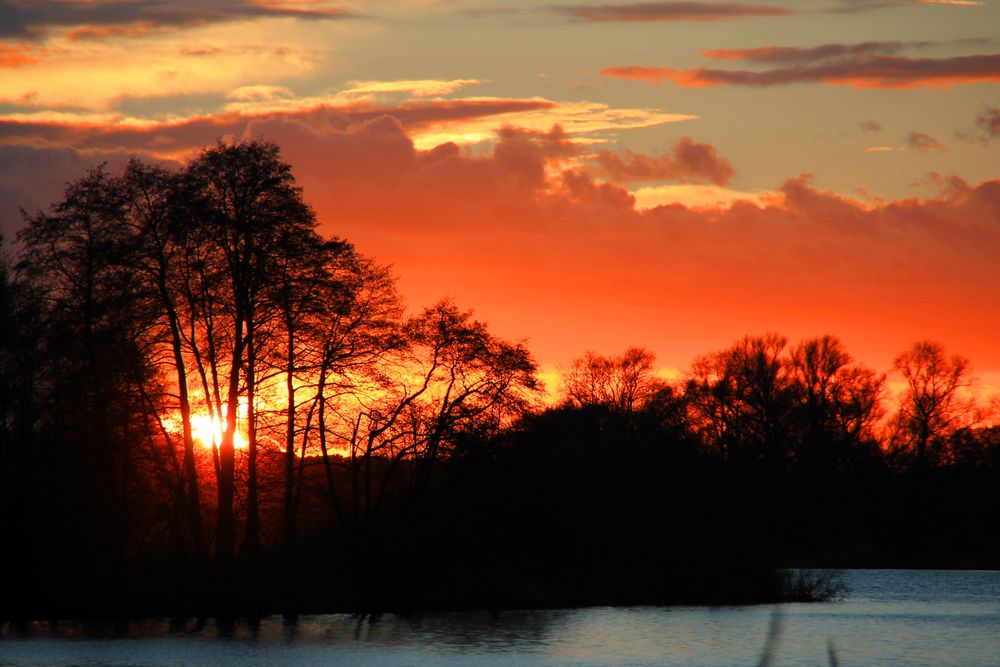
889, 617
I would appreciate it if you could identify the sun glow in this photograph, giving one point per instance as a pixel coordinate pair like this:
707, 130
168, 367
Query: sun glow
207, 430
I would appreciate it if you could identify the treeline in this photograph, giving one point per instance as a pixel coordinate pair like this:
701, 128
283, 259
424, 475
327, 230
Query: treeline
807, 407
205, 405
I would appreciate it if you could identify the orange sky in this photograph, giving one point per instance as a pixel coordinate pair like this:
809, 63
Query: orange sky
587, 176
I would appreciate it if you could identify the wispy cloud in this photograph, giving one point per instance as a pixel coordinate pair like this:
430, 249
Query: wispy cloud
786, 54
887, 72
871, 126
857, 6
416, 87
668, 11
954, 3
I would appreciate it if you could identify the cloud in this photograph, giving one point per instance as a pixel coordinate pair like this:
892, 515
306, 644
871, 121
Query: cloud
259, 93
542, 248
856, 6
689, 162
19, 55
104, 32
923, 142
418, 88
989, 121
871, 126
885, 72
429, 122
786, 54
882, 149
668, 11
104, 19
953, 3
34, 177
97, 77
697, 197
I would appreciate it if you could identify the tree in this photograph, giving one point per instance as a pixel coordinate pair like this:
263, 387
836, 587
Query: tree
246, 199
157, 255
624, 384
448, 378
836, 404
935, 403
739, 399
95, 324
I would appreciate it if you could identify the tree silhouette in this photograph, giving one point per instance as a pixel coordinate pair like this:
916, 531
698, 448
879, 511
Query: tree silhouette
625, 383
95, 323
739, 399
934, 405
837, 405
246, 198
156, 257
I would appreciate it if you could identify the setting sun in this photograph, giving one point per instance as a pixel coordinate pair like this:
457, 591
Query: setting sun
207, 431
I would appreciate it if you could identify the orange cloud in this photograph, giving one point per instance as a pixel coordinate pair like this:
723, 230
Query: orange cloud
669, 11
887, 72
18, 55
689, 162
129, 30
574, 263
551, 253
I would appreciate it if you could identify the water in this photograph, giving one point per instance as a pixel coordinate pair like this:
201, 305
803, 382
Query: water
890, 617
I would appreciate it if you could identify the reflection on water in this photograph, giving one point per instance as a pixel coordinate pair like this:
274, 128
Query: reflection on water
912, 618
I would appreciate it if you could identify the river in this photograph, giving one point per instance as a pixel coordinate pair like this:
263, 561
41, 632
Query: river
914, 618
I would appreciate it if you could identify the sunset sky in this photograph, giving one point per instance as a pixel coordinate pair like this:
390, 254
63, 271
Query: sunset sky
586, 176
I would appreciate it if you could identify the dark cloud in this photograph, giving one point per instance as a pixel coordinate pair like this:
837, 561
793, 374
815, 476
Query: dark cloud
989, 121
890, 72
855, 6
922, 142
689, 162
786, 54
668, 11
871, 126
33, 18
33, 177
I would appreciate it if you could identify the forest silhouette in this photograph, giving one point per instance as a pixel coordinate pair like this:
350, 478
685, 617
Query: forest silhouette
207, 407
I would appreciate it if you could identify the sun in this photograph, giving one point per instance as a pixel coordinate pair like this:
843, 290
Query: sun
207, 430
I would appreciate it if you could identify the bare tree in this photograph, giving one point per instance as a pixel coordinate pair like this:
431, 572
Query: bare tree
738, 398
624, 383
935, 403
245, 197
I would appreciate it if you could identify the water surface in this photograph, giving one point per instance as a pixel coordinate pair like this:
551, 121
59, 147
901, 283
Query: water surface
889, 617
